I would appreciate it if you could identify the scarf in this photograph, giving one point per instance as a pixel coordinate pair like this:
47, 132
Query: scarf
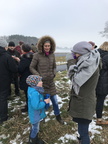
84, 69
47, 53
39, 89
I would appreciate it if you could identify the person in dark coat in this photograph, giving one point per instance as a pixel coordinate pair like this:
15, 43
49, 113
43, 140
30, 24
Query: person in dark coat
7, 67
23, 69
19, 46
15, 54
43, 64
102, 86
83, 73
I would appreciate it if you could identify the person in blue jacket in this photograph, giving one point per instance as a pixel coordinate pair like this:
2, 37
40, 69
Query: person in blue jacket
36, 106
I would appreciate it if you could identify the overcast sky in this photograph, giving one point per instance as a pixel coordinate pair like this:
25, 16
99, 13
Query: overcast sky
67, 21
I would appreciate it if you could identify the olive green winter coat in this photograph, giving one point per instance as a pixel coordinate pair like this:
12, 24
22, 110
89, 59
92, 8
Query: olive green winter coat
45, 66
83, 105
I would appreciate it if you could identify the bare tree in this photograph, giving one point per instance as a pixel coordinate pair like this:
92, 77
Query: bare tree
104, 33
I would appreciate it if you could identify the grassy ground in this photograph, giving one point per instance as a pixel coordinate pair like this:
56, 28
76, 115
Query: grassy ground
16, 130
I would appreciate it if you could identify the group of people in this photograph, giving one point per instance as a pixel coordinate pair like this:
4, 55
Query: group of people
34, 73
37, 67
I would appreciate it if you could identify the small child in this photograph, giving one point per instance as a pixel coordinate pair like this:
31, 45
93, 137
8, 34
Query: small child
36, 106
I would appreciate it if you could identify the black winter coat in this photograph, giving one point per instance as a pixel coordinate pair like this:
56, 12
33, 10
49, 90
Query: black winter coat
14, 53
7, 68
102, 86
23, 69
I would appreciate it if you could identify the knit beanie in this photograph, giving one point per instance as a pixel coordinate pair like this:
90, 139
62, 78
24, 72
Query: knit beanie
3, 42
82, 47
11, 44
33, 80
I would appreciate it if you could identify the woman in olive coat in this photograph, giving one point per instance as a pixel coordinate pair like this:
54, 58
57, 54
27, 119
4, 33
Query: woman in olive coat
84, 75
43, 64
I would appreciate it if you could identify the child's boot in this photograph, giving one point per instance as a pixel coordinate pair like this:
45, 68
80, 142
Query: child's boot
36, 140
40, 141
33, 140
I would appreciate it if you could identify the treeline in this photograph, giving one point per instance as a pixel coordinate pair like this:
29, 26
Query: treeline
25, 39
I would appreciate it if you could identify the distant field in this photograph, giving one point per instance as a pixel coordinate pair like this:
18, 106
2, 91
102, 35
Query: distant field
61, 59
60, 54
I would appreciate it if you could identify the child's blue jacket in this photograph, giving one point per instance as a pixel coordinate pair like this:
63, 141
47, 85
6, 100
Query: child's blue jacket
36, 105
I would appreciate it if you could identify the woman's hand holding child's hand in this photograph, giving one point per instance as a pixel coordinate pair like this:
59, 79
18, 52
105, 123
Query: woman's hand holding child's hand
47, 100
16, 58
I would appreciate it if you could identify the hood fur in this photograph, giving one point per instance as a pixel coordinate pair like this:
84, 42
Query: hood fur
41, 42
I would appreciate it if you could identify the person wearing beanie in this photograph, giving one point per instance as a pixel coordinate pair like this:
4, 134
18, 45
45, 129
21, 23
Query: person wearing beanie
7, 68
15, 55
36, 106
24, 72
11, 44
83, 72
44, 64
3, 43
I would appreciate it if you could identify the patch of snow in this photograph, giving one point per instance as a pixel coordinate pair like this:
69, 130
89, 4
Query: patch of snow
14, 141
60, 63
106, 101
66, 137
94, 129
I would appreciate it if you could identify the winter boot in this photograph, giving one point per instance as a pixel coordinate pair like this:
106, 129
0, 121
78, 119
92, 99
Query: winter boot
101, 122
35, 140
58, 118
32, 140
40, 141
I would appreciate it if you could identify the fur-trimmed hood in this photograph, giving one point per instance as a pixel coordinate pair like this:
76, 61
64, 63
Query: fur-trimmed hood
41, 42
